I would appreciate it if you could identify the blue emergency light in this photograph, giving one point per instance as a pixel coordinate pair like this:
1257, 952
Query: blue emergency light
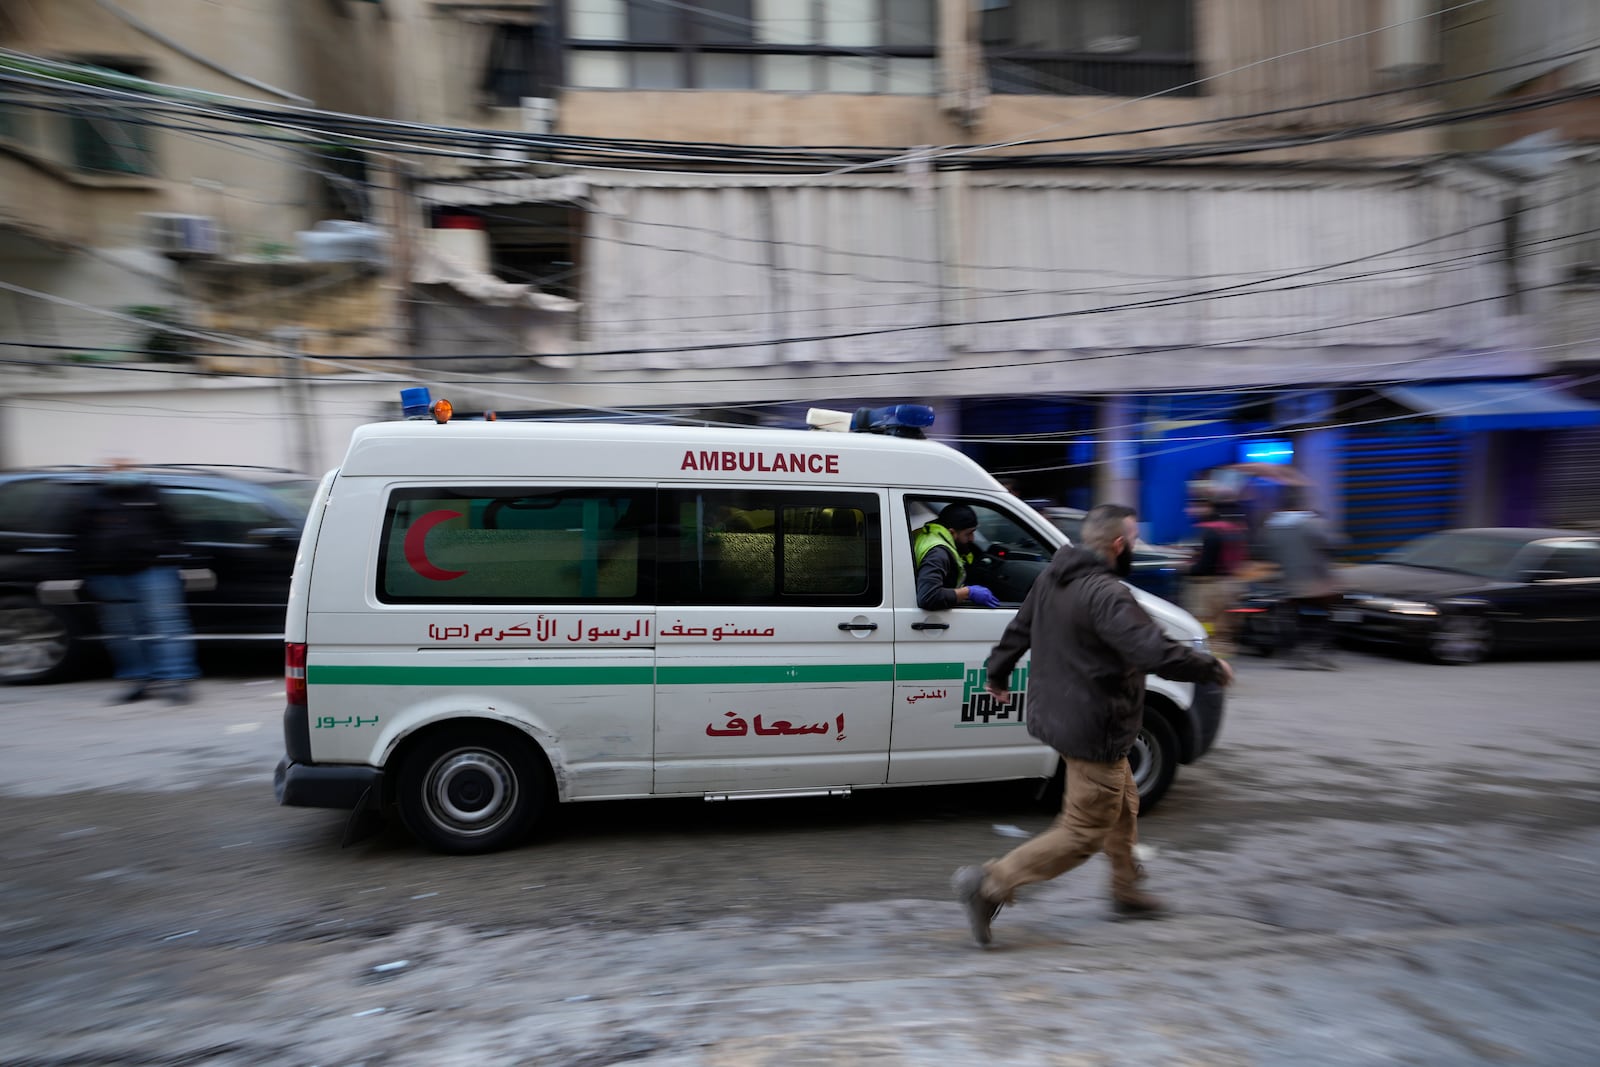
415, 402
897, 419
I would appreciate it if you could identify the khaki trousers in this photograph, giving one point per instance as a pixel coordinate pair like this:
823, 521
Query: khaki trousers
1209, 599
1100, 812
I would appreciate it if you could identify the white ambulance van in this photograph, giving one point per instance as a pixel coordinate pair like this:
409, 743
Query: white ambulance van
489, 618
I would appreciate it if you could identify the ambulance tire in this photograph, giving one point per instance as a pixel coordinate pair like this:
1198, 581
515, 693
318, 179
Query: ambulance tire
1154, 757
472, 788
1153, 760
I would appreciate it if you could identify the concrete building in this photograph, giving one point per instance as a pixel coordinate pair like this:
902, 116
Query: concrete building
1156, 309
115, 228
1548, 160
1150, 235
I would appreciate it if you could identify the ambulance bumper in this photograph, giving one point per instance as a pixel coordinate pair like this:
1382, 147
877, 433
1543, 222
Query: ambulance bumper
343, 786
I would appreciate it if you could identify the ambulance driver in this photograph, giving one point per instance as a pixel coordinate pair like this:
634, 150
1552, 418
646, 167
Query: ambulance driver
939, 550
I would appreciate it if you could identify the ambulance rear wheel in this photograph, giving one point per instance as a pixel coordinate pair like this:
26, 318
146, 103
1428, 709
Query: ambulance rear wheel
472, 789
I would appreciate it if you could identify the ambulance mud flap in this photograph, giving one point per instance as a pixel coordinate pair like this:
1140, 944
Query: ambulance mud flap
365, 820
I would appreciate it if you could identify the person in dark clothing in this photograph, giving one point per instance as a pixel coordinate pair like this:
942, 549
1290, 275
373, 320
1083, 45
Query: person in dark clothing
1302, 544
1092, 647
129, 548
1210, 583
938, 550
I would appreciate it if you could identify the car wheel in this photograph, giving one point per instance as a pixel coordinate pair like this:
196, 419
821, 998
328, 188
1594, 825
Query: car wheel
1461, 639
469, 790
37, 643
1153, 758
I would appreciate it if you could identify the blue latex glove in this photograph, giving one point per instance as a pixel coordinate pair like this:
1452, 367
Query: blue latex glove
977, 594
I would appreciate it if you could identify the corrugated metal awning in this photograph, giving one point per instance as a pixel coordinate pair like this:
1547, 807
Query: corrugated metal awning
1497, 405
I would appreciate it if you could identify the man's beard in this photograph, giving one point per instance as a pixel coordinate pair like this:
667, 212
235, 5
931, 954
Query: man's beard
1122, 566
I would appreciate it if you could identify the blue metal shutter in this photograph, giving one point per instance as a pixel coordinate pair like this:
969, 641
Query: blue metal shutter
1401, 481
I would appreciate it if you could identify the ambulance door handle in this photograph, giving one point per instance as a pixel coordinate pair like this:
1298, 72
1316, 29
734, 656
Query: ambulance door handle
858, 626
930, 626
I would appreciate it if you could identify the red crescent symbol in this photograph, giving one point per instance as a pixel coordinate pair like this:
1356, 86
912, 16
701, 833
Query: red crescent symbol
416, 547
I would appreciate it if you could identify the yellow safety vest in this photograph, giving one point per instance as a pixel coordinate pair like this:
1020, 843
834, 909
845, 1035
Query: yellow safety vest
934, 534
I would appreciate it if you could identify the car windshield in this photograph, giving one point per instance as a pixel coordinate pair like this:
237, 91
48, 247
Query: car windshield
1071, 526
297, 495
1481, 554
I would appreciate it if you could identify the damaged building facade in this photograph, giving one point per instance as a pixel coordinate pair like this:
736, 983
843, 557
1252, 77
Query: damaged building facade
1115, 245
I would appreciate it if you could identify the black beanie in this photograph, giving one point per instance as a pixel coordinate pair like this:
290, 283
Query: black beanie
957, 517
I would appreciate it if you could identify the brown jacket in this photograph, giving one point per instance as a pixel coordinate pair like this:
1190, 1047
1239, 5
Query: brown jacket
1092, 646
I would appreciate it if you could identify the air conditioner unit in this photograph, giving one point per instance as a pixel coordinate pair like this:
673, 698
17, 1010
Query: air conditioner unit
183, 236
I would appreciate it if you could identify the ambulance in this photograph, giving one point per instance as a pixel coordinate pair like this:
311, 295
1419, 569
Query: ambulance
491, 618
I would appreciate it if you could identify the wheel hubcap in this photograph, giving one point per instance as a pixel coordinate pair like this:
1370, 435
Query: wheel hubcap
31, 642
470, 791
1145, 760
1461, 640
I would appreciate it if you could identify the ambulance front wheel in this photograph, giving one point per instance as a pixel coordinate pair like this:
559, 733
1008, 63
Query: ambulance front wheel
472, 789
1153, 759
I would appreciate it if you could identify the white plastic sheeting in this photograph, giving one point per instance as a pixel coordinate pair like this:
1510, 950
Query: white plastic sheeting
697, 267
1087, 263
1233, 265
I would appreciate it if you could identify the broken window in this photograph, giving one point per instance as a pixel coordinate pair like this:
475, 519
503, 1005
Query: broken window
1075, 47
857, 46
105, 139
536, 244
521, 64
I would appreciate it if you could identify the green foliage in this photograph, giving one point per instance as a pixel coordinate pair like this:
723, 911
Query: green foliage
162, 342
272, 250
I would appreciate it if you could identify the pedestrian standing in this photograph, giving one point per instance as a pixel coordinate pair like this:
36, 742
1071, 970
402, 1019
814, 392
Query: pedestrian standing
129, 548
1211, 582
1301, 542
1092, 647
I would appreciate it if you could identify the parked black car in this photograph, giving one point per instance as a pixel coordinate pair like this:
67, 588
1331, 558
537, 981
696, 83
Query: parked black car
240, 523
1157, 569
1460, 596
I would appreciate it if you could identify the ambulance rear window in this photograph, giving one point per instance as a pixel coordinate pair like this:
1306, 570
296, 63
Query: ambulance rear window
523, 546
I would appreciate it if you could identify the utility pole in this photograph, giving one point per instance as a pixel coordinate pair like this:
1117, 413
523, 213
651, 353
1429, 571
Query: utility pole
396, 190
297, 400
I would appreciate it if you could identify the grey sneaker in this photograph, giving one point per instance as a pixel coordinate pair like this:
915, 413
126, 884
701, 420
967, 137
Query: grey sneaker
968, 884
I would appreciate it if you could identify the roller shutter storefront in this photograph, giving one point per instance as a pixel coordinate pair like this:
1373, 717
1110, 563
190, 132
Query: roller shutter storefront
1571, 481
1401, 480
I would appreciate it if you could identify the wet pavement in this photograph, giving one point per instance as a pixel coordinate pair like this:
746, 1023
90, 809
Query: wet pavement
1396, 863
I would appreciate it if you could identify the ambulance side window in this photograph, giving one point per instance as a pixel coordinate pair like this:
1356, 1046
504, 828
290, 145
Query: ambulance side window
737, 546
1007, 554
522, 546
